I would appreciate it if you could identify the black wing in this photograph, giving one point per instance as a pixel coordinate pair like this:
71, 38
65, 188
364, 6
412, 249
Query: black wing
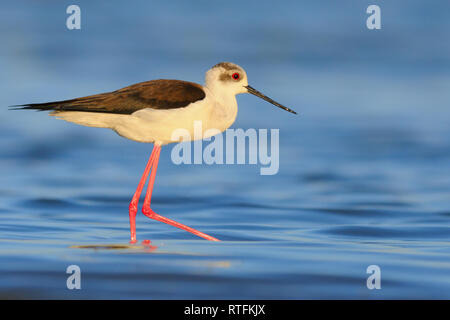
154, 94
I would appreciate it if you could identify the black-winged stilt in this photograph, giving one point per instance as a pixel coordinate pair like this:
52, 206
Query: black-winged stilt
151, 111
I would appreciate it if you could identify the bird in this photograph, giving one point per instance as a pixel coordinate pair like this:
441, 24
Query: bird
150, 111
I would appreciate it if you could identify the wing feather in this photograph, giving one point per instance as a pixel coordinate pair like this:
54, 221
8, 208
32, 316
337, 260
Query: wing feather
154, 94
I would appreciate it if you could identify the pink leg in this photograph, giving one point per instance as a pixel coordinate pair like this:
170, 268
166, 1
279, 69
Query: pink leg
146, 210
132, 209
151, 181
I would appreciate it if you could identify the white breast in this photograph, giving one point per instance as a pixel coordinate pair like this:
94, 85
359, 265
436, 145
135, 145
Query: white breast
150, 125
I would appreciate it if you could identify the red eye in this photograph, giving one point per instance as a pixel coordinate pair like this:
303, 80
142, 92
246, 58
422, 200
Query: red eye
236, 76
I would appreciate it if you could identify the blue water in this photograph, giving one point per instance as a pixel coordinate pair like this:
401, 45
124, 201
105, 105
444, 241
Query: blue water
364, 173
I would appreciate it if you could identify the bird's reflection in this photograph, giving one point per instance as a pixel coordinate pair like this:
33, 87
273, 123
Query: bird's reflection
146, 246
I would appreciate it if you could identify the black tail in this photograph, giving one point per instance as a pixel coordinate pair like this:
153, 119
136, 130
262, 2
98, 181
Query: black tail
90, 103
46, 106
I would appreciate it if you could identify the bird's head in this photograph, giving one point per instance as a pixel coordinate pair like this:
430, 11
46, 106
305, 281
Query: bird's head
229, 78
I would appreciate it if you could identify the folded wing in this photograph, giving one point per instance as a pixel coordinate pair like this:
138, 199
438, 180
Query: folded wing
154, 94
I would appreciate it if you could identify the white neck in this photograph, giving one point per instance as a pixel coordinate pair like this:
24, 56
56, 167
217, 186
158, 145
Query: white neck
224, 111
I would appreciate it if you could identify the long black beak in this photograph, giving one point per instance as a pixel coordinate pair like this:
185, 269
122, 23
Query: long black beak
262, 96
